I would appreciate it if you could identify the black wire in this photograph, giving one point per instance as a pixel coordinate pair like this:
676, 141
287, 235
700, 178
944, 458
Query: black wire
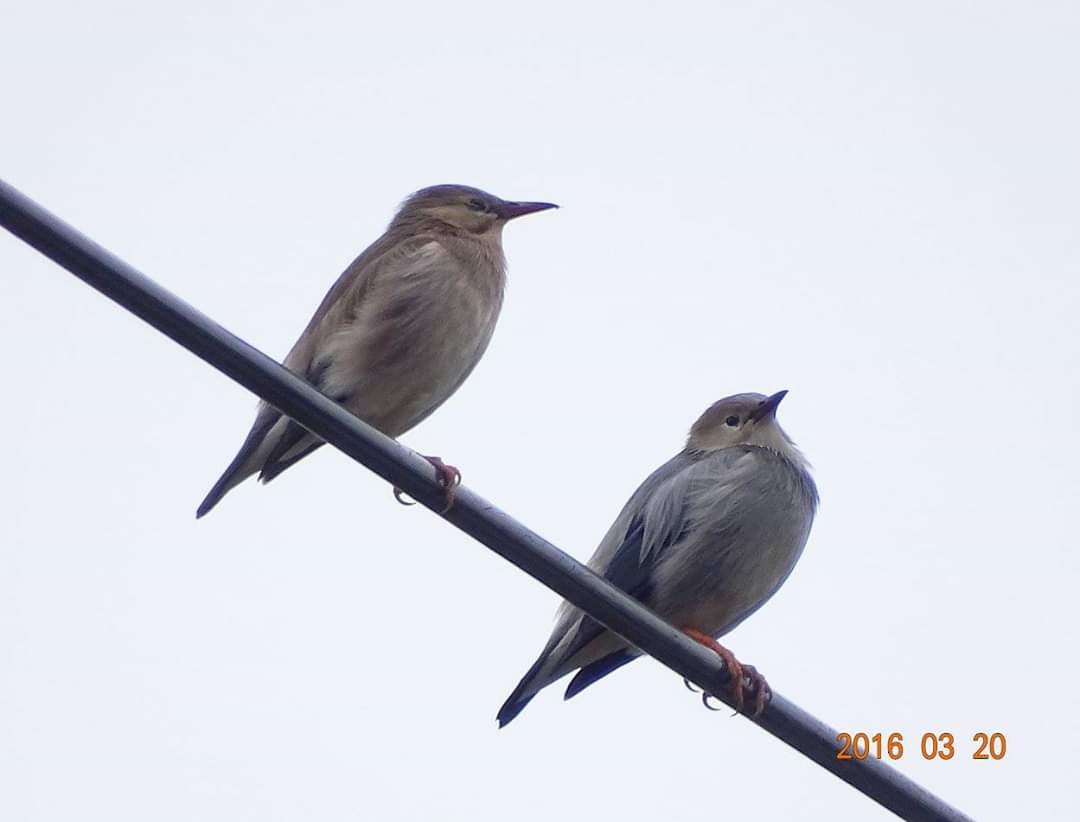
471, 513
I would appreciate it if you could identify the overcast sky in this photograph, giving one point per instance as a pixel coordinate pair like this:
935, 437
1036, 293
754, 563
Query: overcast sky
872, 205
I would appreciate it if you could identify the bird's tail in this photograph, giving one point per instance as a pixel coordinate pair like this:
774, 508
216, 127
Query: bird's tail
575, 633
596, 671
530, 686
232, 477
244, 464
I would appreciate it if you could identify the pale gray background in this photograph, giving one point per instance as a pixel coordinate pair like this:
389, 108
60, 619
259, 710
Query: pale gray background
872, 205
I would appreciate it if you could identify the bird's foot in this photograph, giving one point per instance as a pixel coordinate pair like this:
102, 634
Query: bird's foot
399, 495
758, 688
448, 477
744, 679
705, 695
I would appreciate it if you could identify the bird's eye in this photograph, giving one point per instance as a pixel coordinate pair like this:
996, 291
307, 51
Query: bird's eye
732, 421
477, 205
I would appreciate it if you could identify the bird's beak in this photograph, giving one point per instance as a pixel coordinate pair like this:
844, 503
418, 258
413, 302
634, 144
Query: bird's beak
768, 406
510, 210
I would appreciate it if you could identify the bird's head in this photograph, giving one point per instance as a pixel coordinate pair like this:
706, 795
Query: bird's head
464, 208
742, 419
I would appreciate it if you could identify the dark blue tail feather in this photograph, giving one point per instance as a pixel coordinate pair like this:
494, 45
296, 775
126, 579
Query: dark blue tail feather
597, 670
511, 708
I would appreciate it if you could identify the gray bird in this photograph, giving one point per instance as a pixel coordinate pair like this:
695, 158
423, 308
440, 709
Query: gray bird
400, 330
705, 541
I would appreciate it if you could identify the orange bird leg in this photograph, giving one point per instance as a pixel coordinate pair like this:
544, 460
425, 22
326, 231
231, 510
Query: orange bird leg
742, 677
448, 477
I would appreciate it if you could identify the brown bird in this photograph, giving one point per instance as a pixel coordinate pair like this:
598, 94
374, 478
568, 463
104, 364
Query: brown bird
400, 330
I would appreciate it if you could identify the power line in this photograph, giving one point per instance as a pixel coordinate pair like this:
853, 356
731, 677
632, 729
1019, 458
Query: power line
471, 513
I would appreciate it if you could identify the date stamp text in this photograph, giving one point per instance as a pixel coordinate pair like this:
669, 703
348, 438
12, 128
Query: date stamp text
941, 745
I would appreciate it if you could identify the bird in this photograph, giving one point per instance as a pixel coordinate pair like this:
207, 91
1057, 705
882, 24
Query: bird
399, 331
704, 541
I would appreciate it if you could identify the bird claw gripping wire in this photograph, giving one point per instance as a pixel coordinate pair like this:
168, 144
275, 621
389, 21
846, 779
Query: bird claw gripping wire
399, 495
757, 686
448, 477
705, 695
745, 679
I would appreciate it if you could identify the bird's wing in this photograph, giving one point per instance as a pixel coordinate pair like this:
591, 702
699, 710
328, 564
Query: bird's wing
667, 507
381, 270
657, 515
661, 512
339, 301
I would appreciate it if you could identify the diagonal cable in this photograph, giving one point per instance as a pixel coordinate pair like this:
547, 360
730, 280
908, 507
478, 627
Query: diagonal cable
471, 513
